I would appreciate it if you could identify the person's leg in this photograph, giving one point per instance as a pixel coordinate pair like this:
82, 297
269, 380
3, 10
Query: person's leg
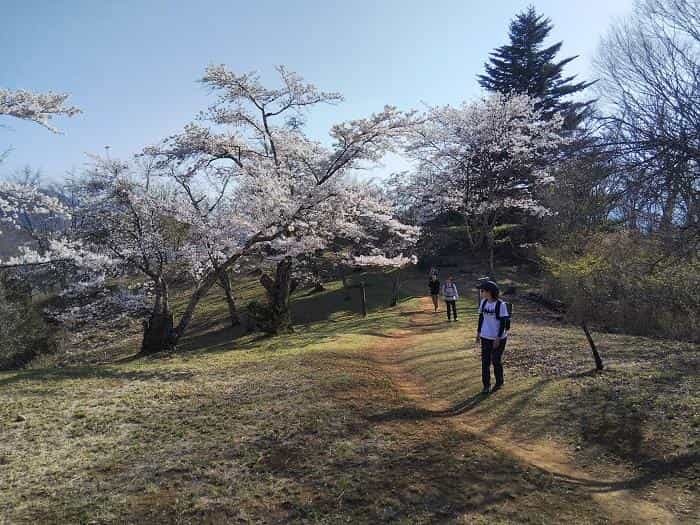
486, 347
448, 309
435, 301
454, 309
496, 356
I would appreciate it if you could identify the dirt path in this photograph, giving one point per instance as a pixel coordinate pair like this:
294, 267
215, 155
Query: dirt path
620, 504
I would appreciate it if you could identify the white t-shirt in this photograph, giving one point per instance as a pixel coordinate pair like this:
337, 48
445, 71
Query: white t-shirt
491, 326
449, 290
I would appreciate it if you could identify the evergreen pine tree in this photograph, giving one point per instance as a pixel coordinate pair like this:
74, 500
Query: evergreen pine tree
526, 67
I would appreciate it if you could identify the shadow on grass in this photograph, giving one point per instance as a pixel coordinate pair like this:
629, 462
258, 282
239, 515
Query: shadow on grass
316, 317
321, 306
587, 373
322, 324
424, 477
95, 372
605, 410
416, 413
219, 339
652, 471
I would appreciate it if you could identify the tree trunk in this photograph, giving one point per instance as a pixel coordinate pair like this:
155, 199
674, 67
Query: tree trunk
209, 280
491, 257
596, 355
470, 236
201, 290
669, 208
158, 332
225, 283
278, 293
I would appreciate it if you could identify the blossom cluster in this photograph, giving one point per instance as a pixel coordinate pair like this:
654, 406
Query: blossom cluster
36, 107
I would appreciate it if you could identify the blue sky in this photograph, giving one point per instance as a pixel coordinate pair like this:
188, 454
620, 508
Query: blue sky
132, 65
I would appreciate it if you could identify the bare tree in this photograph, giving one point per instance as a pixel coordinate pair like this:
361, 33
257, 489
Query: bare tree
650, 88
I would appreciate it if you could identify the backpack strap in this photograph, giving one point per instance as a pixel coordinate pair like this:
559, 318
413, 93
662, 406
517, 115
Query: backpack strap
483, 303
498, 309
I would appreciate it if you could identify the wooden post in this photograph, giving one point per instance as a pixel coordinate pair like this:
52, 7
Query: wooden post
395, 288
346, 287
363, 296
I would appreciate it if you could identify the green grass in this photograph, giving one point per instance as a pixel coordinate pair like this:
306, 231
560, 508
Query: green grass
304, 427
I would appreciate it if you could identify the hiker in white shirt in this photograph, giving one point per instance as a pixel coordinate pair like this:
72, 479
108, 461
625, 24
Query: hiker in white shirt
450, 293
492, 334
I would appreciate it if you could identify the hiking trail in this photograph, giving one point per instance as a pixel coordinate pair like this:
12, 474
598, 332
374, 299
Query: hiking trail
619, 502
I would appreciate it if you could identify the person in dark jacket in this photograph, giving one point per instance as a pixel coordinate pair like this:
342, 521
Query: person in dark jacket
434, 286
491, 333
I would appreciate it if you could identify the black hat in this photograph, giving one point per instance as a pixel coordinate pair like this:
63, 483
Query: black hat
490, 286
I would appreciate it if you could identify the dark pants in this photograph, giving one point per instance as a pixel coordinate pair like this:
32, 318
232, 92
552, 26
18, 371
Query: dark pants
490, 355
451, 305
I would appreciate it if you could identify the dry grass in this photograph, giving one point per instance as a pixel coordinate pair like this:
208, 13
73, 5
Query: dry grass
308, 427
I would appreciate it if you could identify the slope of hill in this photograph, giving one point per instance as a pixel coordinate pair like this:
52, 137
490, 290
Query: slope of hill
356, 420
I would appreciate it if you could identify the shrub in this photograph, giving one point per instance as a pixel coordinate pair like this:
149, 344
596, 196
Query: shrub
630, 282
23, 333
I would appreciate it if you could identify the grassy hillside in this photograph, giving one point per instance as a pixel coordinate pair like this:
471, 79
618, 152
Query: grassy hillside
352, 420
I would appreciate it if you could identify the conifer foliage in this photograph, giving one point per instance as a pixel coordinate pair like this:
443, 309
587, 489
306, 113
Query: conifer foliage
526, 67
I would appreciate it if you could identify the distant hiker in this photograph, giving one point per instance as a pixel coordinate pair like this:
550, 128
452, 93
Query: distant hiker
492, 333
433, 271
434, 286
449, 292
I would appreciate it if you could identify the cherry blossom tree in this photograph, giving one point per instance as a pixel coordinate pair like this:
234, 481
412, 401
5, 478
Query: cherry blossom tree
252, 177
48, 242
40, 108
24, 204
359, 220
28, 206
133, 220
481, 160
387, 243
51, 257
120, 222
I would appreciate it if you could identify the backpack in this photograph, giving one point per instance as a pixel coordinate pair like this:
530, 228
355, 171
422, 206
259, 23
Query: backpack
509, 306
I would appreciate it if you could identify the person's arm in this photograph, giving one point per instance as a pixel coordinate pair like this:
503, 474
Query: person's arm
481, 322
456, 292
501, 327
503, 314
501, 323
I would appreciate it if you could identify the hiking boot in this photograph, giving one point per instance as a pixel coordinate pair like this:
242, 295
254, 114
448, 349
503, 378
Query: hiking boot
497, 386
486, 390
